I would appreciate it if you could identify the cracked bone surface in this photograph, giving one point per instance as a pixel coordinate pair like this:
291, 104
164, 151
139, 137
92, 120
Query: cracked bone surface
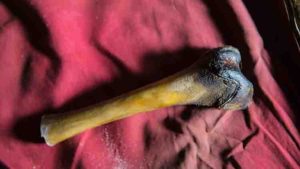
214, 81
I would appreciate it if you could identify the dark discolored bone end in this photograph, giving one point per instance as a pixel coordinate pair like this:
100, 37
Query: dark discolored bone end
225, 64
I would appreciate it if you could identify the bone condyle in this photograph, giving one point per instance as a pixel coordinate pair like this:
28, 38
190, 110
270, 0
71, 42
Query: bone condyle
216, 81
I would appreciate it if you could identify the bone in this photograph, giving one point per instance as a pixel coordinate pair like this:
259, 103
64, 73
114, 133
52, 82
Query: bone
215, 81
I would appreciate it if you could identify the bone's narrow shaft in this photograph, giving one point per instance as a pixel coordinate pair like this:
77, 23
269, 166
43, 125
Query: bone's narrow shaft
171, 91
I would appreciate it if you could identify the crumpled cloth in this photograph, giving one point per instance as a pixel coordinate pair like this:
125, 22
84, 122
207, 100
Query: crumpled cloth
61, 55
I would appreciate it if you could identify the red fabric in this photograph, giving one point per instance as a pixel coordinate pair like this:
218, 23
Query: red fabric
59, 55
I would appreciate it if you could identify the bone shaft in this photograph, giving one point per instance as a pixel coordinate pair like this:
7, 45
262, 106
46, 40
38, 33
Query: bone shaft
58, 127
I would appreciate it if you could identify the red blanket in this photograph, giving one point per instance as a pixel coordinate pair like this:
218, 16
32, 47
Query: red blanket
60, 55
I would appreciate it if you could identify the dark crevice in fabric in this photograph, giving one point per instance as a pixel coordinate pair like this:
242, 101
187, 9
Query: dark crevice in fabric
65, 155
247, 118
172, 124
249, 138
147, 137
26, 76
3, 166
188, 113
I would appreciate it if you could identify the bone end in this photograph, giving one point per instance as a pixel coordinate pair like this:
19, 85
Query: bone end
226, 64
44, 131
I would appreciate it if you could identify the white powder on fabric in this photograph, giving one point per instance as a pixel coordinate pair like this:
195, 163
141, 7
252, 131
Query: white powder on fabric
119, 163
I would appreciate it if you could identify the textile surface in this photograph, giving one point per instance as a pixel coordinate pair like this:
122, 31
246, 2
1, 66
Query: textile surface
61, 55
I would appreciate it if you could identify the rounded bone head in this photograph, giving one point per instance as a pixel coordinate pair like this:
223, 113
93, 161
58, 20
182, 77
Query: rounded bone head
224, 67
227, 61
